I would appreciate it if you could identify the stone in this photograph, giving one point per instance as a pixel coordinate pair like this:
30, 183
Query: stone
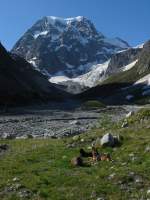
131, 113
82, 140
111, 176
147, 149
75, 122
15, 179
124, 124
64, 157
76, 138
148, 191
71, 145
107, 140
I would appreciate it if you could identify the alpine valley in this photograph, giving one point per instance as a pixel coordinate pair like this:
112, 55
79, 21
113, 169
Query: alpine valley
73, 57
74, 107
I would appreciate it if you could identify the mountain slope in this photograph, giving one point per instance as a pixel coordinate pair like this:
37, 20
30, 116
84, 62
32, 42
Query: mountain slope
19, 82
111, 88
121, 61
67, 47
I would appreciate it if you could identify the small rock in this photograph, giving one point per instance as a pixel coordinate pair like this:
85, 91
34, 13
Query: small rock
131, 113
147, 149
111, 176
124, 124
21, 137
71, 145
64, 157
15, 179
75, 122
89, 147
76, 138
148, 191
24, 193
82, 140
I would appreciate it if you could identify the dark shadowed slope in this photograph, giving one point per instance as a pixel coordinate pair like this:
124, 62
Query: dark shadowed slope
20, 83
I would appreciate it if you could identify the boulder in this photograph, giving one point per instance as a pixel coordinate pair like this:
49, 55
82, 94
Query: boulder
107, 140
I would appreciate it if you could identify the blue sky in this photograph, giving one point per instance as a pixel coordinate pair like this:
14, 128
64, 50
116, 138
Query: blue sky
127, 19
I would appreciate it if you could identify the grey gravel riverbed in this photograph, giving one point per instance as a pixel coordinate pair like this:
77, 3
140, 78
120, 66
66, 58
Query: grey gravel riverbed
48, 122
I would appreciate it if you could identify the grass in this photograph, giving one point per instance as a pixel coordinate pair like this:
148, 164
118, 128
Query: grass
42, 166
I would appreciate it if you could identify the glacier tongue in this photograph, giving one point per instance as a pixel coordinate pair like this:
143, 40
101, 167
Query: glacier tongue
89, 79
97, 74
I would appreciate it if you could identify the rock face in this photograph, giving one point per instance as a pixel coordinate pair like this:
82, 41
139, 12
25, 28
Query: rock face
70, 47
20, 83
121, 59
126, 85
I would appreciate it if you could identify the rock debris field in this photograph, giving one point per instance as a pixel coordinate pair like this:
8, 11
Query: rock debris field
54, 123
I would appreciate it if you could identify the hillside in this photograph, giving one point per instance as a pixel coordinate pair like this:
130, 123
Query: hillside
41, 169
20, 83
118, 86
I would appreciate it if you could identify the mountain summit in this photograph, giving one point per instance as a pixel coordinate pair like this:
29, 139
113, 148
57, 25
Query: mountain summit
68, 47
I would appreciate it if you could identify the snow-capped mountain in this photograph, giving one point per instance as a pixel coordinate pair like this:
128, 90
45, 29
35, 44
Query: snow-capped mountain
66, 47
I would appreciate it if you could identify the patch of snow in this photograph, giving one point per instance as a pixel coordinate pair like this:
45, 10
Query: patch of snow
38, 33
32, 62
59, 79
34, 58
129, 66
52, 20
140, 46
144, 80
63, 46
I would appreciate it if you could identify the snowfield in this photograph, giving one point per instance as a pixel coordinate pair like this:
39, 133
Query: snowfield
127, 67
145, 80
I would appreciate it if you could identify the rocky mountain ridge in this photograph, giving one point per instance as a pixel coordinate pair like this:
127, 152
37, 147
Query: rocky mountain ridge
68, 47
